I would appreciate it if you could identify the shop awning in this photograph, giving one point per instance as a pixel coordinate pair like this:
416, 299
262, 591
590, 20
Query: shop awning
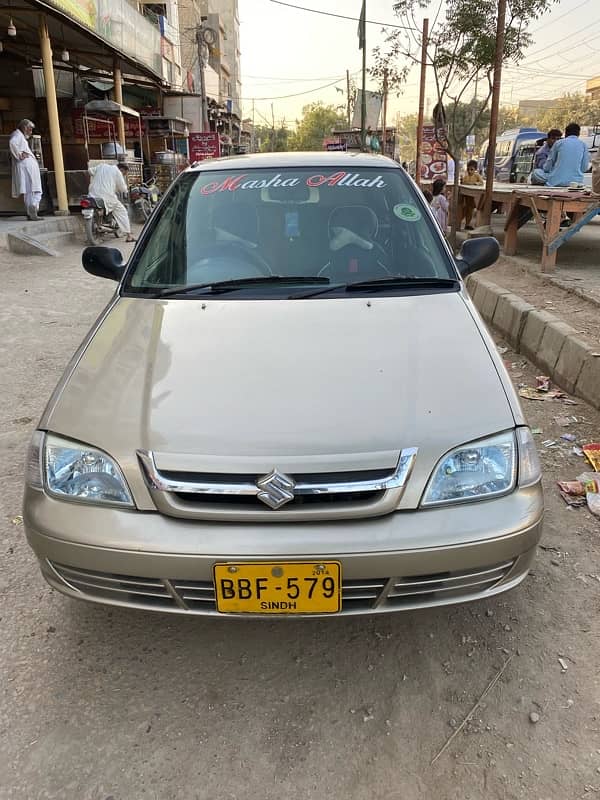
109, 107
90, 41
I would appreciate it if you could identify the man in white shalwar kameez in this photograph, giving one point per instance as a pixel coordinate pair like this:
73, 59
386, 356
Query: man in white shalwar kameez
107, 183
26, 178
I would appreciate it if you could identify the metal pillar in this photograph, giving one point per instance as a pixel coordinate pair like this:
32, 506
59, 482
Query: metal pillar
118, 90
53, 121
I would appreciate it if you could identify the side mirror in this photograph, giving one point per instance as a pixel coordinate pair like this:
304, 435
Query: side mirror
104, 262
475, 254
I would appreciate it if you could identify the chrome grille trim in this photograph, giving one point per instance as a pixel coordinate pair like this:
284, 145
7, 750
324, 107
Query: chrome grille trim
444, 583
161, 483
359, 595
234, 497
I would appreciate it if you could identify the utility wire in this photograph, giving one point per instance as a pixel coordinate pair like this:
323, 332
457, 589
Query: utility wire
298, 94
343, 16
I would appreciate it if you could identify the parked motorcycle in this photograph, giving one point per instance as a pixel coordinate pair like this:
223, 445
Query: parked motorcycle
144, 198
97, 220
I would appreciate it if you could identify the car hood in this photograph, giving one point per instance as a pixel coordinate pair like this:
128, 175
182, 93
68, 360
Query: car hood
315, 385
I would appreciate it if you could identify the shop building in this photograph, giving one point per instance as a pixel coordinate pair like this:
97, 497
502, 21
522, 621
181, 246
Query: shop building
94, 76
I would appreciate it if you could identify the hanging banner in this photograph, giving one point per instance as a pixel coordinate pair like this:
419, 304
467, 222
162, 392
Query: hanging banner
434, 158
373, 109
204, 145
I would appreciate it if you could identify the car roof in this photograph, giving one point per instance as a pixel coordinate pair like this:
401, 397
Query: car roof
325, 159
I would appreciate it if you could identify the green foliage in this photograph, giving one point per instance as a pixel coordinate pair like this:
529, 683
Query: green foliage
318, 121
272, 140
570, 108
407, 137
461, 51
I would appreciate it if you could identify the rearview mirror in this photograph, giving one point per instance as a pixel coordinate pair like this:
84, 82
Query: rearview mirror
104, 262
476, 254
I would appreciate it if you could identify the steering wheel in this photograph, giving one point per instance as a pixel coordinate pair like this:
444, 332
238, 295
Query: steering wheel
234, 251
376, 268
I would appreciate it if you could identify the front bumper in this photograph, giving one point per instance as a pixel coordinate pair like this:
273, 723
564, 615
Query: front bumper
403, 560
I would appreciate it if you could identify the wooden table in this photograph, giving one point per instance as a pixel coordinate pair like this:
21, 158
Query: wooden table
581, 205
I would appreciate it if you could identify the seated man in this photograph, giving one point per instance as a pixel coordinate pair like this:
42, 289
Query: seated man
541, 155
569, 158
108, 183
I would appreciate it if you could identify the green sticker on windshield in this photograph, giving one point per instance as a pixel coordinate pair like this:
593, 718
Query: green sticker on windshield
407, 212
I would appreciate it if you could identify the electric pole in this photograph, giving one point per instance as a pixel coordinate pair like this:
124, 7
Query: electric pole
421, 99
385, 98
203, 102
362, 44
348, 96
486, 211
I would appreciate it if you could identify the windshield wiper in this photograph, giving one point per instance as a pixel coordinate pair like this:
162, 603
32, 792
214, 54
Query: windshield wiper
220, 287
402, 281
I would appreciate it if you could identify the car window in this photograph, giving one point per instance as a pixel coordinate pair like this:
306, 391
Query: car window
340, 225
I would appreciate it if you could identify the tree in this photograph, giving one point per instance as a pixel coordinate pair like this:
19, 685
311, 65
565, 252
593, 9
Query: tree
272, 140
570, 108
406, 129
461, 52
318, 121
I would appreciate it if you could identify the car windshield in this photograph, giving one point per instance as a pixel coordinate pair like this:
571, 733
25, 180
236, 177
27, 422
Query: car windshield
226, 231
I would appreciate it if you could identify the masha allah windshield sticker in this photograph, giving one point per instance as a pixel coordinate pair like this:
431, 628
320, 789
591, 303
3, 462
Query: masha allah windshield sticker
407, 212
234, 183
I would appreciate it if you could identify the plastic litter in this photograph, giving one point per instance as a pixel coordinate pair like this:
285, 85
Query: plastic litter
536, 394
592, 453
569, 437
542, 383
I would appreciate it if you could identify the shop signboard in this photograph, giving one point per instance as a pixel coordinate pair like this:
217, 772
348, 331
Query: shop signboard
335, 145
434, 158
97, 129
120, 24
372, 108
83, 11
204, 145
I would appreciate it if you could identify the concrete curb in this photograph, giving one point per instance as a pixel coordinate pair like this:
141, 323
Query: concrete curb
543, 338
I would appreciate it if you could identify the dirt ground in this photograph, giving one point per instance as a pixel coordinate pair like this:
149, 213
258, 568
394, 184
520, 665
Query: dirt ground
100, 704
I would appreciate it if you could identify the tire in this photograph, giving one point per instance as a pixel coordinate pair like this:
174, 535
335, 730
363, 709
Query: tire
91, 234
146, 209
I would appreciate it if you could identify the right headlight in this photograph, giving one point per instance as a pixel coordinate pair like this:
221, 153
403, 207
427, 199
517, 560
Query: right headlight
70, 470
484, 469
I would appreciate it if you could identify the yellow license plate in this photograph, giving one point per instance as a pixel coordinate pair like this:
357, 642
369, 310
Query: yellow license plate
309, 587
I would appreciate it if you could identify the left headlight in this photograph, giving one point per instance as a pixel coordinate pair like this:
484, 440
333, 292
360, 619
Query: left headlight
477, 470
74, 471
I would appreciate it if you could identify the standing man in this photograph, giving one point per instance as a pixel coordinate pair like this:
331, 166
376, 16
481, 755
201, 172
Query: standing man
26, 178
107, 183
569, 158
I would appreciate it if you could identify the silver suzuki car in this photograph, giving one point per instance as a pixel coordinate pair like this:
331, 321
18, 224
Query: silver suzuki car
289, 407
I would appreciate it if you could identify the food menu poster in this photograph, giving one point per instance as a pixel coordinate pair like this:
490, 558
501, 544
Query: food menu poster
434, 159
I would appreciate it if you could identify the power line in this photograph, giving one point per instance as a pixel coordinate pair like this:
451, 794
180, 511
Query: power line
298, 94
343, 16
556, 19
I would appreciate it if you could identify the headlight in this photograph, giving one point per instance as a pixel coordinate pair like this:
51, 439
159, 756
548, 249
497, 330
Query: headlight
73, 471
478, 470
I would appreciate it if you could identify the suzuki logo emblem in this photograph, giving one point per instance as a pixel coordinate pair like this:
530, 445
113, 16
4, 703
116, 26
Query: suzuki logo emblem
276, 489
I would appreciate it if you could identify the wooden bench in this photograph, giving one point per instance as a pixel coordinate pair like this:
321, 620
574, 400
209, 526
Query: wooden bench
581, 205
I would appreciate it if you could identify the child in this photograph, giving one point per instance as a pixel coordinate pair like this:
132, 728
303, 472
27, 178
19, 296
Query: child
439, 204
467, 206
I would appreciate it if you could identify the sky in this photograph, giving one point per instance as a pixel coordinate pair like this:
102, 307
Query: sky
292, 57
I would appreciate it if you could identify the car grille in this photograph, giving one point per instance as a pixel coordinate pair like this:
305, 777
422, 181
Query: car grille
277, 497
358, 595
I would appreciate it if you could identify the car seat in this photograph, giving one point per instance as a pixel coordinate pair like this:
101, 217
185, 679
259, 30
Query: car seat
355, 255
